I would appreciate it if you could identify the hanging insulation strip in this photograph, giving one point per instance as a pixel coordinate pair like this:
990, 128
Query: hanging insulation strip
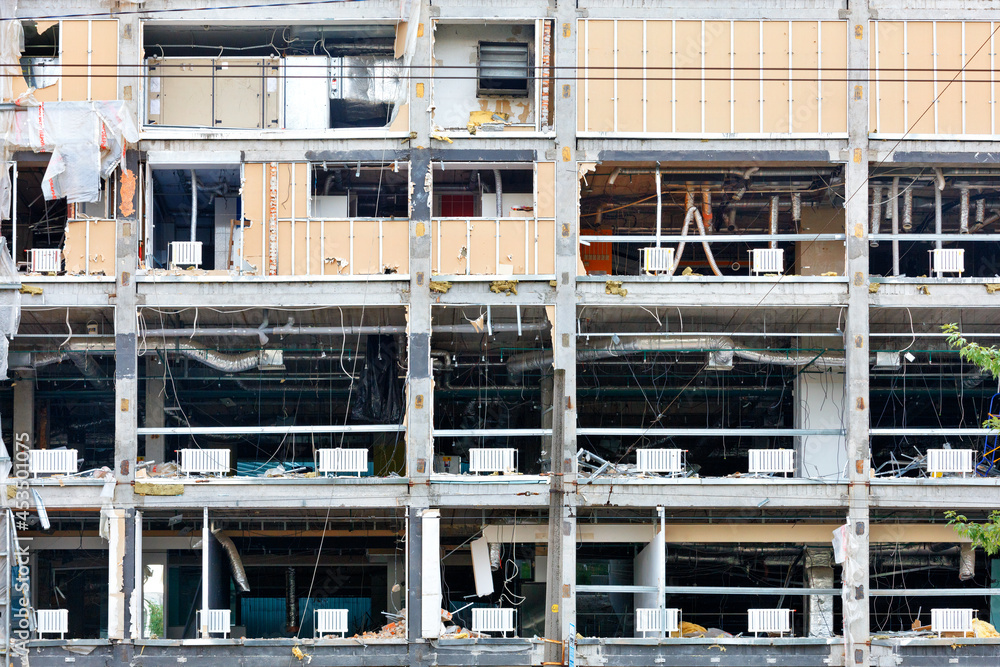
272, 219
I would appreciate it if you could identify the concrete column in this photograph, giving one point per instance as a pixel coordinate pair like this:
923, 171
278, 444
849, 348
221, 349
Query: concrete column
856, 344
156, 445
819, 574
118, 546
560, 608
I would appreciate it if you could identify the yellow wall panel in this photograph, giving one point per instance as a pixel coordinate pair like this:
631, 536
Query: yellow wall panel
805, 88
978, 109
659, 59
395, 245
834, 91
286, 260
546, 250
104, 60
483, 253
688, 59
746, 41
920, 94
337, 246
513, 233
449, 242
776, 76
890, 117
950, 60
75, 45
366, 248
545, 175
628, 101
717, 77
600, 87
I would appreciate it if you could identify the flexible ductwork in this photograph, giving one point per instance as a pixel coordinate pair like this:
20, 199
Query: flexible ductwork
499, 181
895, 226
220, 361
706, 210
876, 213
235, 562
773, 227
908, 209
797, 207
89, 368
723, 346
963, 220
694, 214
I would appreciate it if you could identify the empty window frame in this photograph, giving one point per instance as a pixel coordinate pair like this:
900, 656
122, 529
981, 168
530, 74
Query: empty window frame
504, 69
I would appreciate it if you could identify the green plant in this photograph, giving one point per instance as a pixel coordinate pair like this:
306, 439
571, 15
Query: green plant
986, 358
983, 535
154, 620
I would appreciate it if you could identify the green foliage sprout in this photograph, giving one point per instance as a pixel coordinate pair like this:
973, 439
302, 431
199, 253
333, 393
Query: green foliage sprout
984, 535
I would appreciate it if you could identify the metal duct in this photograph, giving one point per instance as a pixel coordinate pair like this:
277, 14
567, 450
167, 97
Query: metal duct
220, 361
291, 329
499, 185
876, 213
908, 209
797, 207
895, 226
235, 562
722, 345
89, 369
980, 211
773, 228
291, 601
967, 563
963, 221
372, 79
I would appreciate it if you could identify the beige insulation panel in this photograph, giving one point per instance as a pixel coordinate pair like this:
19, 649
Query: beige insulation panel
254, 191
286, 258
581, 86
89, 247
293, 189
396, 245
180, 92
545, 199
483, 250
545, 236
814, 258
920, 89
89, 58
336, 248
515, 246
950, 61
449, 247
239, 86
978, 77
889, 89
713, 77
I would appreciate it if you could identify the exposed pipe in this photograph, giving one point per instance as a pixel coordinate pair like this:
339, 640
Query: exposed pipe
895, 226
797, 207
220, 361
908, 210
963, 220
876, 213
291, 601
499, 184
773, 228
89, 369
235, 563
939, 178
723, 345
980, 211
291, 330
938, 225
194, 205
706, 210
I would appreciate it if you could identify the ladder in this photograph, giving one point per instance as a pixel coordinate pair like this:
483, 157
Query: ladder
991, 442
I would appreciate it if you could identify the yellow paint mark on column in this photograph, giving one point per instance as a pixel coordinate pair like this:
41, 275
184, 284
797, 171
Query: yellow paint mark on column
127, 193
857, 155
420, 229
555, 609
420, 30
566, 156
420, 90
859, 31
124, 406
567, 30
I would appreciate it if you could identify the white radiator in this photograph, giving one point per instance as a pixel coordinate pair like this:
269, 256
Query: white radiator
951, 620
769, 620
660, 460
648, 620
205, 461
765, 461
330, 622
493, 620
44, 260
947, 260
52, 461
500, 460
185, 253
950, 460
342, 460
767, 260
55, 621
218, 621
654, 260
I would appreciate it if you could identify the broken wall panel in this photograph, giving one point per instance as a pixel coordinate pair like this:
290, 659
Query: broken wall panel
713, 77
933, 79
89, 247
87, 62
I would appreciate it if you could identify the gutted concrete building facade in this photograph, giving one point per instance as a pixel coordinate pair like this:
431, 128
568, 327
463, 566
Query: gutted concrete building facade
505, 333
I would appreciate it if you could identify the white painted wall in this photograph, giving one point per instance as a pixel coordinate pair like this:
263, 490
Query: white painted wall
454, 98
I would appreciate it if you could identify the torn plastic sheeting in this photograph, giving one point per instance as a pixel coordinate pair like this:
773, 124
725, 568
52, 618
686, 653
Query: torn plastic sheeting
11, 41
87, 140
380, 392
5, 189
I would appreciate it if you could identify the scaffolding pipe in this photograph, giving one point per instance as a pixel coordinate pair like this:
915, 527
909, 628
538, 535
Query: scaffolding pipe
876, 213
963, 220
895, 226
773, 228
194, 205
